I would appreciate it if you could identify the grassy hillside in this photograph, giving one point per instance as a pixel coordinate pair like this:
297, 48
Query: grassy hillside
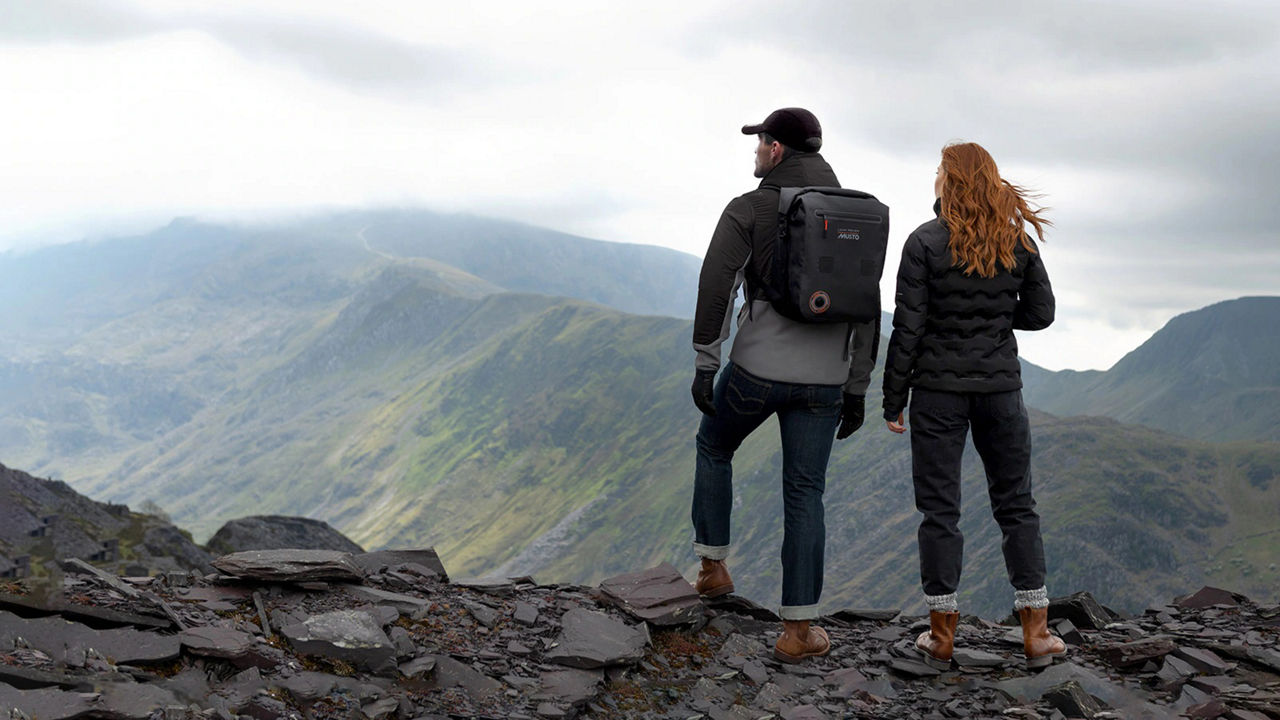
524, 434
339, 369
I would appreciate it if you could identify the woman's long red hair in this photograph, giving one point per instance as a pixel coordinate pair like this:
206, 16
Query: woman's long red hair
984, 213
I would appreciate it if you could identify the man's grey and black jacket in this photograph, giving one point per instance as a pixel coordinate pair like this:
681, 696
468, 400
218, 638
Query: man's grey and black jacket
954, 331
769, 345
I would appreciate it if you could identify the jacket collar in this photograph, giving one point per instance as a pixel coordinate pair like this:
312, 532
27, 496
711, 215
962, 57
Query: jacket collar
937, 207
800, 170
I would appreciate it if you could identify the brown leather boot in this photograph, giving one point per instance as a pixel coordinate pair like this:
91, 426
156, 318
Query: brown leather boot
937, 642
1039, 646
713, 579
799, 641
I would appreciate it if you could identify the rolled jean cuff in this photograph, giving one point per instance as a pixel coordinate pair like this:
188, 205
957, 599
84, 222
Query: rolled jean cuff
798, 612
1038, 598
711, 552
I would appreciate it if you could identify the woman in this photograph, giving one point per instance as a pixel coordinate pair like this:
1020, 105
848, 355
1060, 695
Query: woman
967, 280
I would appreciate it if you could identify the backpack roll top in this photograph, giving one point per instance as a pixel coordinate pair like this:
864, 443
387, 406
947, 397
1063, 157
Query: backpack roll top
829, 255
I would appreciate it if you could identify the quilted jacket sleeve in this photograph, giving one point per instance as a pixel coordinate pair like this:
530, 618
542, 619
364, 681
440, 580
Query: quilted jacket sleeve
1036, 306
726, 256
911, 304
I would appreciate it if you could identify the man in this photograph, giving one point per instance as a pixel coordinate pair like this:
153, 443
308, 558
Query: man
807, 374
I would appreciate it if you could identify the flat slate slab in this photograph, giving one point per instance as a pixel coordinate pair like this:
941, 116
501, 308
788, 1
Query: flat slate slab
660, 596
291, 565
91, 615
241, 648
353, 636
574, 687
590, 639
404, 604
372, 562
118, 700
57, 637
1032, 688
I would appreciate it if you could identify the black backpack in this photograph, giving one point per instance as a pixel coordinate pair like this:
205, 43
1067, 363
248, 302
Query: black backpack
829, 255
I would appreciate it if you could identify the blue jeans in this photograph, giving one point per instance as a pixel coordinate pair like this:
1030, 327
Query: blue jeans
807, 418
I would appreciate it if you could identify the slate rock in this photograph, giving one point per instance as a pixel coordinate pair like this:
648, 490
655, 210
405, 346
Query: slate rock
741, 606
1136, 653
574, 687
118, 700
851, 615
372, 562
58, 638
755, 672
1031, 688
98, 618
295, 566
1207, 710
278, 532
418, 666
1067, 630
1174, 672
1081, 609
240, 648
525, 614
590, 639
1072, 700
349, 635
660, 596
1206, 661
973, 657
406, 605
1208, 596
450, 673
308, 685
913, 668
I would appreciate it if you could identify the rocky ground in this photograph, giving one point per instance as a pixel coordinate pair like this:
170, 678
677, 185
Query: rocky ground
328, 634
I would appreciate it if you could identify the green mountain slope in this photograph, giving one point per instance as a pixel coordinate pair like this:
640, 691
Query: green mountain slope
1212, 374
525, 434
343, 369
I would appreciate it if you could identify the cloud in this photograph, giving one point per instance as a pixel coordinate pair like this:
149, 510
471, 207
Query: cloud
351, 55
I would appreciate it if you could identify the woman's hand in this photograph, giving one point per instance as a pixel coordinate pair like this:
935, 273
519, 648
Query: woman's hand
899, 427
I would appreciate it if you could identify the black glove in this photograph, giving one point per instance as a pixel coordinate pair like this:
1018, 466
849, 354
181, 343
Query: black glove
851, 415
703, 392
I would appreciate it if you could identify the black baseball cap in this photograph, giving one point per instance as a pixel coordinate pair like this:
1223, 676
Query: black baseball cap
796, 128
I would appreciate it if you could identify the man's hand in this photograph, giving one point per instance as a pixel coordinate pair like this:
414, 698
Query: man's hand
851, 415
704, 392
899, 426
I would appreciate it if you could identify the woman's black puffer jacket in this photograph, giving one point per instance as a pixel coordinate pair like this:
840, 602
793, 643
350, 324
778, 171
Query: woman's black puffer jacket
954, 332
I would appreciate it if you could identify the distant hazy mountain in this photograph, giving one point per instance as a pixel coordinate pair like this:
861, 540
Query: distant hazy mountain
1212, 374
348, 370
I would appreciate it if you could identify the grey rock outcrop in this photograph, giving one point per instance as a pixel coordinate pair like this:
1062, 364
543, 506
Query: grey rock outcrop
278, 532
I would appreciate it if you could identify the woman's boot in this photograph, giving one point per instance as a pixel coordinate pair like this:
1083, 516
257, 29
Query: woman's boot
1040, 647
938, 641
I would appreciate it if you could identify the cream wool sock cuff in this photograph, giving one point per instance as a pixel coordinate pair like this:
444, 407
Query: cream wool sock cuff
1038, 598
942, 603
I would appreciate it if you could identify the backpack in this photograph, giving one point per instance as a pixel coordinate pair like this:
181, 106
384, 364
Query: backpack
829, 255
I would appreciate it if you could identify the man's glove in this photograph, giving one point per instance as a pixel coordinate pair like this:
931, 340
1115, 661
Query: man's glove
851, 415
704, 392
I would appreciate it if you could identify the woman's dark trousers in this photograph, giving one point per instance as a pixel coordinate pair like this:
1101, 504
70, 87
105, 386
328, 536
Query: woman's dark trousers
939, 423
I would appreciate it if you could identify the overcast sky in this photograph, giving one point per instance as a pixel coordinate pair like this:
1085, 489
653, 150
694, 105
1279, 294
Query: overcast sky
1151, 128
